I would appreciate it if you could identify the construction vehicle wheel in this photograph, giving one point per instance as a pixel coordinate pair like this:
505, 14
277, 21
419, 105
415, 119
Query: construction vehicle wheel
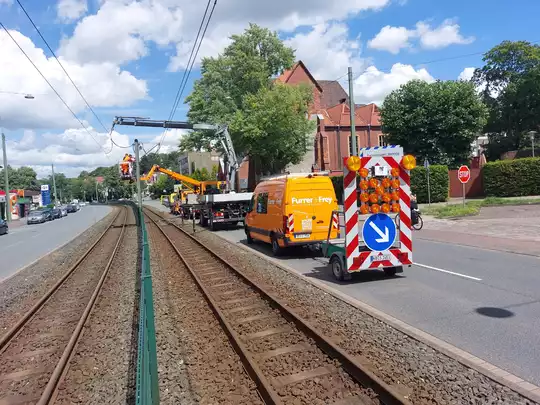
249, 238
276, 249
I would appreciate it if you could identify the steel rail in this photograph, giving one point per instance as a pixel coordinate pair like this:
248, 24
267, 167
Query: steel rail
386, 394
10, 334
63, 363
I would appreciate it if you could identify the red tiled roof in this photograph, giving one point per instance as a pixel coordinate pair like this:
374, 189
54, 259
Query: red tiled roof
370, 114
286, 75
332, 93
340, 115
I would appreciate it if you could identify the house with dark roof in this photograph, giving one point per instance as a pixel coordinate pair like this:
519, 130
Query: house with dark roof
331, 141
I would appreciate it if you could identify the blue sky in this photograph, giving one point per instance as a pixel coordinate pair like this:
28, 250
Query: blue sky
128, 58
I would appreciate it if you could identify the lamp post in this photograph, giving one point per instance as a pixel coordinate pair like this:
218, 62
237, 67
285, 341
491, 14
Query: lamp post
4, 151
532, 135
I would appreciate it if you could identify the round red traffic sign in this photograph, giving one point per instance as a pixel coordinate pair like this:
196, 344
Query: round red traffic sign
464, 174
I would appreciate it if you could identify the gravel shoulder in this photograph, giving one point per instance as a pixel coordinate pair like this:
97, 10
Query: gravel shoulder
197, 365
426, 375
102, 370
20, 292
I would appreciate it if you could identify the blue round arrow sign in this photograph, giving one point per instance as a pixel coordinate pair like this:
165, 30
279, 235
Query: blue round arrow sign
379, 232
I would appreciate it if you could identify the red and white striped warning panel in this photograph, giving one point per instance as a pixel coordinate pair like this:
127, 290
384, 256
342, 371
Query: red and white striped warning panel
384, 187
290, 223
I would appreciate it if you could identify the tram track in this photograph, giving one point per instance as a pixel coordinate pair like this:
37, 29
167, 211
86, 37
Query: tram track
36, 351
289, 360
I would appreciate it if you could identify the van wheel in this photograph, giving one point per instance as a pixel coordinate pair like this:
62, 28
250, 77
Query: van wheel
390, 271
276, 249
338, 269
249, 238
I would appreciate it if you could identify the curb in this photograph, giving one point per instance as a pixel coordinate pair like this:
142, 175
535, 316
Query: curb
511, 381
47, 254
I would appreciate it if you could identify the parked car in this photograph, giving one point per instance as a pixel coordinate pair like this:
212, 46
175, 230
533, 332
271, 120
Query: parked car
36, 217
72, 208
4, 228
82, 204
56, 213
48, 214
63, 209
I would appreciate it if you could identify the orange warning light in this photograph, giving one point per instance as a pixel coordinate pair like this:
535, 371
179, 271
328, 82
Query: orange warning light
394, 172
353, 163
395, 183
385, 208
364, 197
379, 190
364, 209
375, 208
385, 182
387, 197
373, 198
395, 195
364, 185
373, 182
364, 172
395, 207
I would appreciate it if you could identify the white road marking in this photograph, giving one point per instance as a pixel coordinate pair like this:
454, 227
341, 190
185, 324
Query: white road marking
448, 272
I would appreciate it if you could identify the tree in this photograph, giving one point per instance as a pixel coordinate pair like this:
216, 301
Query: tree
437, 121
24, 178
233, 84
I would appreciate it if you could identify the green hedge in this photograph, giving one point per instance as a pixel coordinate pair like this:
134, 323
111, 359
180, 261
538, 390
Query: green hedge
438, 181
512, 178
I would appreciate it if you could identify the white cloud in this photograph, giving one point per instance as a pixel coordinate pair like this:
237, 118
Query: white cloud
8, 2
121, 29
374, 85
466, 74
394, 39
103, 85
444, 35
324, 43
71, 10
74, 150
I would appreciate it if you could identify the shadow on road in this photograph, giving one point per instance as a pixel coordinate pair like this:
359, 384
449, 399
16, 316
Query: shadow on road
494, 312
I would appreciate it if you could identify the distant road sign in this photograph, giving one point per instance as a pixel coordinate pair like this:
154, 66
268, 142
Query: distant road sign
379, 232
426, 163
100, 179
464, 174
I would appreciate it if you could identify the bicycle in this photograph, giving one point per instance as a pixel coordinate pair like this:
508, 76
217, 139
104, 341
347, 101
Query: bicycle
419, 221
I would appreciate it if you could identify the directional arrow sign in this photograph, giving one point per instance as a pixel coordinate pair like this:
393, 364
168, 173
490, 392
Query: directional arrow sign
379, 232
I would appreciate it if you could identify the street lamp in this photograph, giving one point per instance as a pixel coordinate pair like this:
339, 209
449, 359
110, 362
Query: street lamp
532, 135
6, 177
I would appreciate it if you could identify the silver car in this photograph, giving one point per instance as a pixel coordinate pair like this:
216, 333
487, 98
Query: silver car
36, 217
63, 210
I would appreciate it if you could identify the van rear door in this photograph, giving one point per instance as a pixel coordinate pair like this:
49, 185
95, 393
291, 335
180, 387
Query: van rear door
311, 202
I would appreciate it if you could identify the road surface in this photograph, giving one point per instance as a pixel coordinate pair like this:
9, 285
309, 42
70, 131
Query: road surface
482, 301
23, 245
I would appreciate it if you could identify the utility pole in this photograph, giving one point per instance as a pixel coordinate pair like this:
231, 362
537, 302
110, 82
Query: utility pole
97, 195
54, 185
354, 151
138, 176
6, 179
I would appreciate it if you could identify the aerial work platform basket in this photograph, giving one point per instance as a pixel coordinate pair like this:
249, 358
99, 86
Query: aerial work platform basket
375, 223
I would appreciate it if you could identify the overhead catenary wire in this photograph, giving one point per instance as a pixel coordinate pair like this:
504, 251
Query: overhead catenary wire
189, 65
53, 89
71, 80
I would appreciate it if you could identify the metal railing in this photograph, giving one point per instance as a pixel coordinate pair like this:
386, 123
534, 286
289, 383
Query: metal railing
147, 387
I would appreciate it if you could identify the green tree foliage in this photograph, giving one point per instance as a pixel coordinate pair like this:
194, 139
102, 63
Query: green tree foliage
238, 83
512, 92
438, 183
165, 160
512, 178
163, 185
22, 178
437, 121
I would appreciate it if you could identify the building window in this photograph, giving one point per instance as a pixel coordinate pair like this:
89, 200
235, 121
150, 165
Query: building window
382, 140
262, 203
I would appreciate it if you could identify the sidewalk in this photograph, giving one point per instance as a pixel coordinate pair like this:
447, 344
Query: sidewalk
16, 223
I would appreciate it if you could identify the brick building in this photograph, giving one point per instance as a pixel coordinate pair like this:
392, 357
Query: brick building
331, 141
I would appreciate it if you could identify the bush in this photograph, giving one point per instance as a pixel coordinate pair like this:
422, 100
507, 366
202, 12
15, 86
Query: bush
512, 178
438, 181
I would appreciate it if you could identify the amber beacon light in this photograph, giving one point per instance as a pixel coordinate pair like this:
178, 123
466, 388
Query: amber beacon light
353, 163
408, 162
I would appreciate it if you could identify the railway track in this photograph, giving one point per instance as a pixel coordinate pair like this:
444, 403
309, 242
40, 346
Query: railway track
289, 360
35, 352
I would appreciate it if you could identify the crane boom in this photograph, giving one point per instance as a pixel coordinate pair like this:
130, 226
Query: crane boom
221, 132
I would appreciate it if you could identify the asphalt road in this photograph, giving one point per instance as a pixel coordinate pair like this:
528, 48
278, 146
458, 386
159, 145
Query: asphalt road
27, 243
482, 301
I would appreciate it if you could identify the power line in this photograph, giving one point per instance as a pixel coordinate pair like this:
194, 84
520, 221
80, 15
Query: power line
52, 87
190, 64
69, 77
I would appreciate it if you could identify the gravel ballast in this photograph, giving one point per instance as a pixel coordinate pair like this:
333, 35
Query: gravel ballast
197, 365
20, 292
427, 375
102, 370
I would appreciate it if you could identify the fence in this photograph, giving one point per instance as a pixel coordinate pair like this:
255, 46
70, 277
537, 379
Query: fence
147, 388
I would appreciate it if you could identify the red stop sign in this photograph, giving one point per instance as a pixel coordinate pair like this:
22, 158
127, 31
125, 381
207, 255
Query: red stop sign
464, 174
